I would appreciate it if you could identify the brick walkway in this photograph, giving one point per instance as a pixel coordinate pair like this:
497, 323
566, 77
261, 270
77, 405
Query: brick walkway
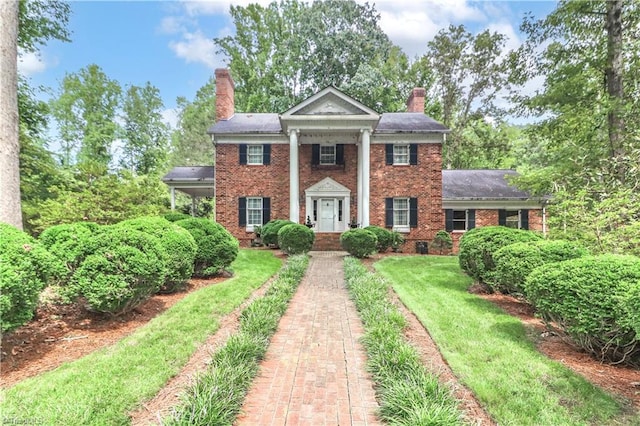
314, 370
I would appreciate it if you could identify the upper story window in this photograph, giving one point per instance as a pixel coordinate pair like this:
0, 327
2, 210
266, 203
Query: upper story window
255, 154
399, 154
327, 155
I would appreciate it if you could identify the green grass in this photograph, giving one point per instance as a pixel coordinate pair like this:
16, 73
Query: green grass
217, 396
101, 388
490, 352
407, 393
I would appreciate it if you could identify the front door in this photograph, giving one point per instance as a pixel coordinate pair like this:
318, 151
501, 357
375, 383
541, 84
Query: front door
327, 215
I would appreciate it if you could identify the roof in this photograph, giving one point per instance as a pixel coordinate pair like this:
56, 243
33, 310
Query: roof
480, 185
269, 123
189, 174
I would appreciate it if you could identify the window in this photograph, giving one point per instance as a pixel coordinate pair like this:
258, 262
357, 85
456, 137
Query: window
327, 154
401, 154
401, 213
460, 220
254, 154
253, 211
518, 219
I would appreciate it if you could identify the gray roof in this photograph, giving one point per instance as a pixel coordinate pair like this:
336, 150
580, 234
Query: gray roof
390, 122
480, 185
189, 174
408, 122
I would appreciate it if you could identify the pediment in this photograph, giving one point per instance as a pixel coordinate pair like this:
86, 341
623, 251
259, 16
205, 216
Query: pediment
327, 186
330, 102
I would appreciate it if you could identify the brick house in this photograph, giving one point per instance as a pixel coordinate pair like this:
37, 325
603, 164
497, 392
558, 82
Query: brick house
333, 161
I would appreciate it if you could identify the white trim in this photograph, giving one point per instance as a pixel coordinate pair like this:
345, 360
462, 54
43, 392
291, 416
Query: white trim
328, 188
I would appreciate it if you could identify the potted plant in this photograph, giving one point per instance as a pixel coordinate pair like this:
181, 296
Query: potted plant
257, 241
308, 223
353, 224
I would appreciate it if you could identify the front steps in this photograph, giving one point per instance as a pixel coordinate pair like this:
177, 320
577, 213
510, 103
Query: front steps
327, 241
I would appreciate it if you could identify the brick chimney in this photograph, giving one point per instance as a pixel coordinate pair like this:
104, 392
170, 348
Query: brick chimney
415, 103
225, 103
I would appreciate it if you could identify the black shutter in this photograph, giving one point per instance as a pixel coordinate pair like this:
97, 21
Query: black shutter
524, 219
315, 154
388, 151
413, 154
471, 219
266, 154
242, 211
448, 220
413, 212
243, 153
502, 217
340, 154
388, 210
266, 210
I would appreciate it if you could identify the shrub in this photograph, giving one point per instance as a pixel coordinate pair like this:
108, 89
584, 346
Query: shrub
442, 241
295, 239
397, 240
270, 230
359, 242
25, 267
127, 267
217, 248
516, 261
595, 300
478, 245
384, 236
176, 216
178, 244
68, 243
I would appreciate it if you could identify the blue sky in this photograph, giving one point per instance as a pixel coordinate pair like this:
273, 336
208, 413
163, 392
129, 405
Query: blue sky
169, 43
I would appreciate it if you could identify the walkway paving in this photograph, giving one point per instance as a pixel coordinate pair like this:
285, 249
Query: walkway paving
314, 370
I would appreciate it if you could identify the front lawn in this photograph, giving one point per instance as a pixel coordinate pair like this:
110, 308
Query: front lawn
490, 352
101, 388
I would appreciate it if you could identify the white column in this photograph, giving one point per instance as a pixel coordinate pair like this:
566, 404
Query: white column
359, 184
366, 156
173, 198
294, 176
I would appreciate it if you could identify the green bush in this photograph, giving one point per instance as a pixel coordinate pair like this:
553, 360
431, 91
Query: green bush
25, 268
178, 244
384, 236
125, 268
217, 248
516, 261
176, 216
442, 241
295, 239
397, 240
359, 242
478, 245
595, 300
69, 243
269, 232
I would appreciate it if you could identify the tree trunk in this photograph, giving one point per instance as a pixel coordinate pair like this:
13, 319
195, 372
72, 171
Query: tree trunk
615, 89
10, 210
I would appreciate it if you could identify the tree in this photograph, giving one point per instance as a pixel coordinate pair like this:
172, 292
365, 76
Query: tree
10, 207
145, 135
86, 114
285, 52
469, 73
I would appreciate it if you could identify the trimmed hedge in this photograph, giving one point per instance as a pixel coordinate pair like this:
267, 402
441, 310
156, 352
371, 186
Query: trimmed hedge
69, 243
269, 232
175, 216
25, 268
359, 242
217, 248
516, 261
384, 236
126, 267
178, 244
478, 245
295, 239
595, 300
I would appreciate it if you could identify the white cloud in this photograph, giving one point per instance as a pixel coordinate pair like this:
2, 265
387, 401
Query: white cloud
31, 63
216, 7
198, 48
170, 117
172, 25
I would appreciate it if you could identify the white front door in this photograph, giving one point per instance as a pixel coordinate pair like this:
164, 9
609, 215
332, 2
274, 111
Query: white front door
327, 215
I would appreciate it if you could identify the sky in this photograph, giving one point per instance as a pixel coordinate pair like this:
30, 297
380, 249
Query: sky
170, 43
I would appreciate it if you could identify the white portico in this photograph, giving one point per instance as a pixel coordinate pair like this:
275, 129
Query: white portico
323, 119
